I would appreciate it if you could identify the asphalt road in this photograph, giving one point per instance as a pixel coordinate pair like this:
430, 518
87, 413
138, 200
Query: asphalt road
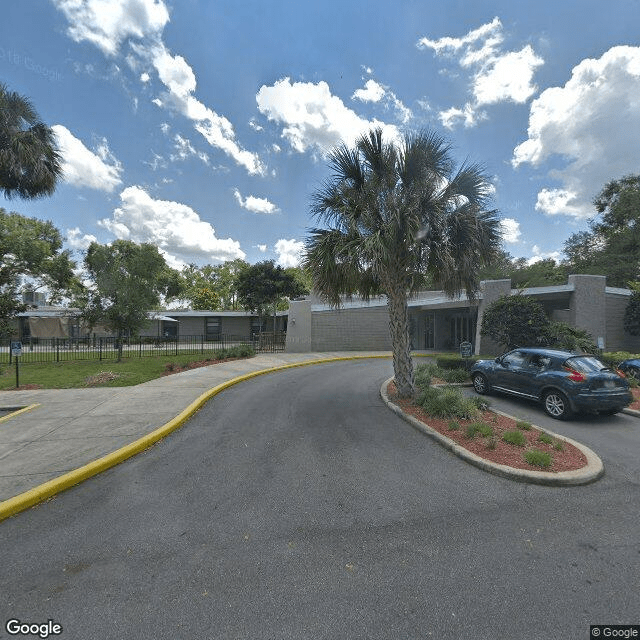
296, 505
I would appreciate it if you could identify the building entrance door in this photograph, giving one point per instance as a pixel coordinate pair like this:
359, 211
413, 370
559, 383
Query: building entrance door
430, 331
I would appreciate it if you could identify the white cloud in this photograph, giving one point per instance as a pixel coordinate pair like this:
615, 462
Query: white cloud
509, 77
140, 22
468, 116
261, 247
145, 77
372, 92
312, 117
172, 226
496, 75
376, 92
289, 252
78, 240
539, 255
179, 79
184, 149
84, 168
510, 230
590, 122
255, 205
107, 24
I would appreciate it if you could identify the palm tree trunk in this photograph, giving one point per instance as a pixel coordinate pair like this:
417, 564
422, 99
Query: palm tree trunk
399, 329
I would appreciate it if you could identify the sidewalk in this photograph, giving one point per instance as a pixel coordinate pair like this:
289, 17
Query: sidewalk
72, 427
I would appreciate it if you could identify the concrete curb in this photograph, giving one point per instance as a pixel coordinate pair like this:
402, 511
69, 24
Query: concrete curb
16, 411
48, 489
590, 473
631, 412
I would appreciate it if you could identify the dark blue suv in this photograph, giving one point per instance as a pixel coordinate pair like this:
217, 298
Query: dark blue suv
564, 382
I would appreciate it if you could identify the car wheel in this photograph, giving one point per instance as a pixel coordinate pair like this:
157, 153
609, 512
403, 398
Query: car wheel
556, 405
480, 384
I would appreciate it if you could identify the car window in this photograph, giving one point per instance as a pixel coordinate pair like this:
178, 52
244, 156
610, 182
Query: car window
585, 364
515, 359
539, 361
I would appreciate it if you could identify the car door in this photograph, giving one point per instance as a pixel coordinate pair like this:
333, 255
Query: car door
511, 371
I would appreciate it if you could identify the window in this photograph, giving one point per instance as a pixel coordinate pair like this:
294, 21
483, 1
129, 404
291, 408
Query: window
213, 328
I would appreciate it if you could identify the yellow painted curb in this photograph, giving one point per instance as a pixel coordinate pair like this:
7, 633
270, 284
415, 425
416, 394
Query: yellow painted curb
18, 412
48, 489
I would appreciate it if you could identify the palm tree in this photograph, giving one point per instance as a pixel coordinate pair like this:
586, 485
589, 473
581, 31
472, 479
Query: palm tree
29, 158
400, 216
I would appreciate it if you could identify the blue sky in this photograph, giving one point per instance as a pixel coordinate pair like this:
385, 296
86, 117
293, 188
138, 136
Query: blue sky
202, 126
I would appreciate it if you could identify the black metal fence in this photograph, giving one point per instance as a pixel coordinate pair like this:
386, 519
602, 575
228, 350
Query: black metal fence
94, 348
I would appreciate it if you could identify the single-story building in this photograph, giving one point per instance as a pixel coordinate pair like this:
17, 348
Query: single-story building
56, 322
440, 323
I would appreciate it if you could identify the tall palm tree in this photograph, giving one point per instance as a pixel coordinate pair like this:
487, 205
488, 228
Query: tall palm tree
29, 159
400, 215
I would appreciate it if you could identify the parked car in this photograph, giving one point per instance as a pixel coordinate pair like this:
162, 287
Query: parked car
564, 382
631, 368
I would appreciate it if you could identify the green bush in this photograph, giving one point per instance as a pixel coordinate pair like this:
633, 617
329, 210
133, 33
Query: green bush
451, 361
614, 358
479, 427
447, 402
543, 437
514, 437
422, 376
538, 458
424, 373
521, 424
558, 446
492, 443
453, 425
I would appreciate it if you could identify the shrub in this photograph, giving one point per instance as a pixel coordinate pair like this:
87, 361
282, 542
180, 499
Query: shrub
543, 437
453, 425
538, 458
422, 376
479, 427
521, 424
447, 402
514, 437
454, 361
515, 321
492, 442
425, 372
558, 446
563, 336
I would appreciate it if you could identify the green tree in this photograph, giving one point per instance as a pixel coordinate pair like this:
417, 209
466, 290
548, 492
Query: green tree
204, 299
400, 215
263, 285
220, 280
126, 281
31, 250
611, 247
515, 321
29, 158
632, 311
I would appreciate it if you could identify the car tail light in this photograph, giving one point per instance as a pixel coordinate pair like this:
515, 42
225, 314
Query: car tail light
574, 375
620, 373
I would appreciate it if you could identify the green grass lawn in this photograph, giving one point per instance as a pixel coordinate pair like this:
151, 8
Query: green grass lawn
71, 375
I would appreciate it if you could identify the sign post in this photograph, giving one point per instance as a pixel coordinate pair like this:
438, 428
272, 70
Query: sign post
466, 351
16, 352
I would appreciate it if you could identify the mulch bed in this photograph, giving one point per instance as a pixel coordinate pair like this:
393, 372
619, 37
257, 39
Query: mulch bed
170, 369
569, 459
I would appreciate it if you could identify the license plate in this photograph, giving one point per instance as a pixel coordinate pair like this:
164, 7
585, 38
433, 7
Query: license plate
609, 384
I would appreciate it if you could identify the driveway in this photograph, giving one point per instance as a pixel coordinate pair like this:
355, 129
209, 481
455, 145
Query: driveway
296, 505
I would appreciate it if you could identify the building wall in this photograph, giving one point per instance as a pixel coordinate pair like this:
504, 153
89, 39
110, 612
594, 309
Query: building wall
350, 329
492, 290
617, 338
587, 307
299, 327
